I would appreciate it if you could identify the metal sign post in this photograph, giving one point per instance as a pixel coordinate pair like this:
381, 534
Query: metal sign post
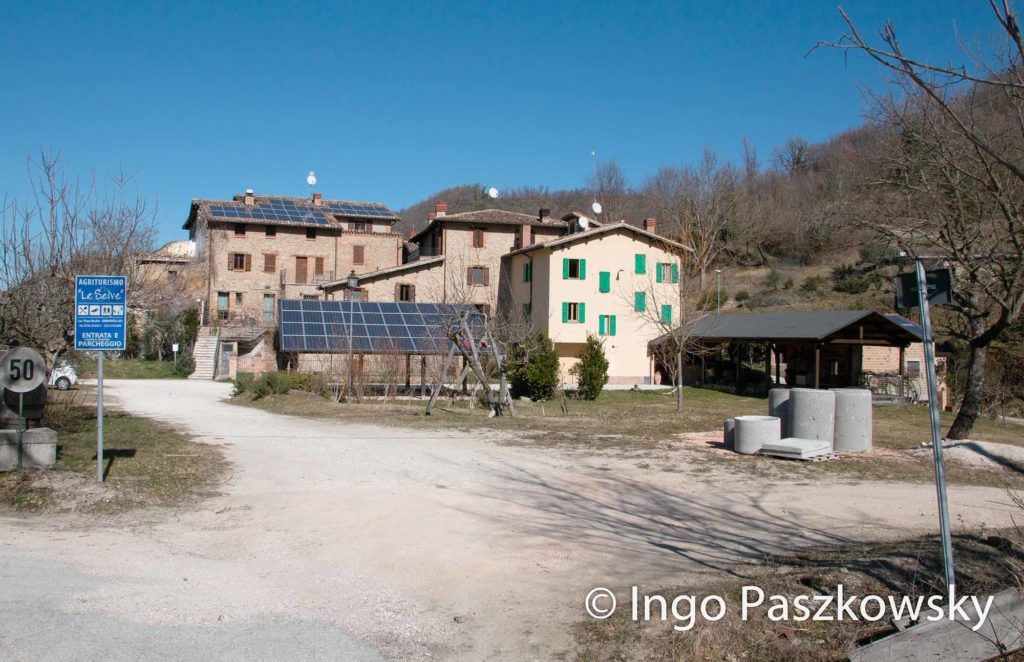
924, 293
21, 370
101, 318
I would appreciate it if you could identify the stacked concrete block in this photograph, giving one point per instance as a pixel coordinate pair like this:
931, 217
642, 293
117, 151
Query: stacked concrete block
752, 432
38, 449
812, 414
853, 420
778, 406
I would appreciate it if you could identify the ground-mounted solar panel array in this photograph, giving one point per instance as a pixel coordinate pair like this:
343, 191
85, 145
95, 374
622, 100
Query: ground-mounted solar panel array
377, 328
290, 211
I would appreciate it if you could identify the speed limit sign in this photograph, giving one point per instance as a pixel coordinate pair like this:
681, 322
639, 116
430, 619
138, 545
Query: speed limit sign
22, 370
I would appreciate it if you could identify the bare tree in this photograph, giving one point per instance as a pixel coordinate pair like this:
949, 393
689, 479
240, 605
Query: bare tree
793, 156
710, 193
61, 231
954, 189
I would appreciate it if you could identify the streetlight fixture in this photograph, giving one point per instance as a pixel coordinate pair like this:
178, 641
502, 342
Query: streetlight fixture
718, 290
353, 283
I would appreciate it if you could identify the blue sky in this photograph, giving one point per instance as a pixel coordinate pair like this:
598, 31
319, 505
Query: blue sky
392, 102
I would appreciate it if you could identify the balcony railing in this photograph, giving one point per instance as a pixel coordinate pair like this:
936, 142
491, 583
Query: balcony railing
288, 278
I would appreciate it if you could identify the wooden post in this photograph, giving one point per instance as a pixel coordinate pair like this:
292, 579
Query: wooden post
408, 372
736, 360
903, 370
423, 376
703, 369
817, 366
778, 365
768, 365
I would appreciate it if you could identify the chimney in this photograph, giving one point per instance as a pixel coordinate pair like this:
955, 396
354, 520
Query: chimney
649, 225
525, 236
431, 216
318, 198
441, 208
544, 215
250, 198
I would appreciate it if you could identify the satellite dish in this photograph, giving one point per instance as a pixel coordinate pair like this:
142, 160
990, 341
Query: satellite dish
596, 207
492, 193
584, 221
311, 178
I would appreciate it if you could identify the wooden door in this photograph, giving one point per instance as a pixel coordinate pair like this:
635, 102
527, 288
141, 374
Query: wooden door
301, 268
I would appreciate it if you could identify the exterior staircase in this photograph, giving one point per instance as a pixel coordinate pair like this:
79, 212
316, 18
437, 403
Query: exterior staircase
205, 353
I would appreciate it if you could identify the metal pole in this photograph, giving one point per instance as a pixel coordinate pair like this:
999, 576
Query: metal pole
21, 424
349, 398
99, 417
933, 409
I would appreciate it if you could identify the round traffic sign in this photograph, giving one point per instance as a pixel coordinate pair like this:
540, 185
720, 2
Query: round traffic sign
22, 369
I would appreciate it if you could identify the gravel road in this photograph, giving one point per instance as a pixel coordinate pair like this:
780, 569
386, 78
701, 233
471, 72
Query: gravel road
338, 541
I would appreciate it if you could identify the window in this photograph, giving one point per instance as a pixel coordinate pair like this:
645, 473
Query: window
606, 325
604, 282
357, 226
639, 301
913, 368
268, 307
358, 254
666, 314
239, 229
527, 271
318, 266
483, 308
478, 238
222, 305
640, 263
238, 298
310, 233
573, 269
667, 272
239, 262
269, 263
573, 312
270, 231
310, 297
478, 276
405, 292
172, 277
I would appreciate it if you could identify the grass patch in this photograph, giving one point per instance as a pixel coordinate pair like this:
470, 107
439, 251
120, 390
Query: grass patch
985, 564
128, 369
630, 422
148, 464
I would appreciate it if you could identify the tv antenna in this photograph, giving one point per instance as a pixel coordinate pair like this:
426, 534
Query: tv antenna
597, 205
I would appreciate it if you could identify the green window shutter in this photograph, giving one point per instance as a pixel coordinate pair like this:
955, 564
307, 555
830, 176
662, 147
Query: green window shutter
641, 263
657, 271
565, 312
583, 314
611, 324
640, 301
600, 325
675, 273
565, 268
583, 269
666, 314
604, 282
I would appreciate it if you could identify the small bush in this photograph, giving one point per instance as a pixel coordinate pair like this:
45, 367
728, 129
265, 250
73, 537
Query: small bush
773, 280
243, 383
537, 378
591, 371
272, 383
812, 284
741, 296
768, 299
788, 285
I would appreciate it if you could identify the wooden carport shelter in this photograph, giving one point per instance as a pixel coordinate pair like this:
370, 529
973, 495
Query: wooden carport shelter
820, 348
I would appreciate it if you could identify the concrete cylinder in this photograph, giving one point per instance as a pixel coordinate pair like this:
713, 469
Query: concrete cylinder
752, 432
812, 414
728, 433
778, 406
852, 420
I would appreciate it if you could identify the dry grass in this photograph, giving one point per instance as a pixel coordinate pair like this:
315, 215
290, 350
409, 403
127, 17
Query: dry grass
985, 564
644, 424
147, 464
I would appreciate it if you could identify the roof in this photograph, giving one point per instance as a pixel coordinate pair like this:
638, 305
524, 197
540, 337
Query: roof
387, 271
814, 325
491, 217
907, 324
287, 210
604, 229
174, 251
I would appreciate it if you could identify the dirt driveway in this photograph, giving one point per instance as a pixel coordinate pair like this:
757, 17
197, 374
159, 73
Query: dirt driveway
337, 541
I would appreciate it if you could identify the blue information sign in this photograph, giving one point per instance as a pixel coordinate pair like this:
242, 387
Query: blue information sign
101, 312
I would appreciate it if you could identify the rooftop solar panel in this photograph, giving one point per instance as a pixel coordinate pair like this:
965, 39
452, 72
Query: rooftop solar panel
376, 327
280, 210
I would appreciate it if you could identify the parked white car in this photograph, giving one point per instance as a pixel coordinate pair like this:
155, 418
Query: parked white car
63, 376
